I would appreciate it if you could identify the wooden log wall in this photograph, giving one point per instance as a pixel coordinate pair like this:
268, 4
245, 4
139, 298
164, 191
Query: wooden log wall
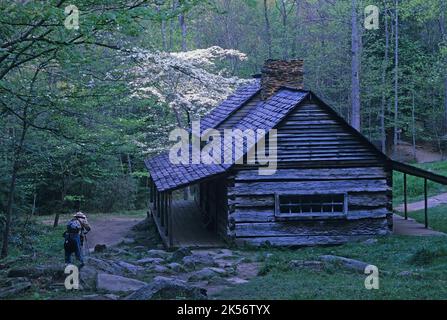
251, 205
310, 134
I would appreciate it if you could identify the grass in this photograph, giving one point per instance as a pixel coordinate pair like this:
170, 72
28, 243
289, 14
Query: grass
424, 257
437, 217
415, 185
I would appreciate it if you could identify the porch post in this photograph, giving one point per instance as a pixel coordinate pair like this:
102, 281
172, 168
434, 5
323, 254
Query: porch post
170, 236
425, 203
405, 196
162, 210
167, 213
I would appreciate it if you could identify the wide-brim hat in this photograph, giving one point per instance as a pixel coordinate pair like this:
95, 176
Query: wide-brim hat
79, 215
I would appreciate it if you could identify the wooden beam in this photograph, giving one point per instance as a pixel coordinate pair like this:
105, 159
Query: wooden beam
405, 196
414, 171
162, 210
167, 213
425, 203
170, 235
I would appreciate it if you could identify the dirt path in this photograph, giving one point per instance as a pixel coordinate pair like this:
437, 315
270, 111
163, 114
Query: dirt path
423, 154
109, 230
419, 205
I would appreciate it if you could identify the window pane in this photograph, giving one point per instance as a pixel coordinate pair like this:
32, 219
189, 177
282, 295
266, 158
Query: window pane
316, 203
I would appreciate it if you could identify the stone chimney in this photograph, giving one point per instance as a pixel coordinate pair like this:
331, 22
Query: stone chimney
281, 73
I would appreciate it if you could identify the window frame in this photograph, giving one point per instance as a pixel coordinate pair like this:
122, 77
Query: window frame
314, 215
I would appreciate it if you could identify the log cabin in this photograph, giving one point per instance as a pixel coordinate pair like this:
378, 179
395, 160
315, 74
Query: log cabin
331, 185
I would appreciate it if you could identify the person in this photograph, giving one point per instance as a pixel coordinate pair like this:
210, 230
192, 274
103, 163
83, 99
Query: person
74, 237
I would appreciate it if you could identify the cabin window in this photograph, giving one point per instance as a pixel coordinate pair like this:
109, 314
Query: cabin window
295, 206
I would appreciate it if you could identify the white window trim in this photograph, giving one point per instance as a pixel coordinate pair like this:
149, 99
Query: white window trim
314, 215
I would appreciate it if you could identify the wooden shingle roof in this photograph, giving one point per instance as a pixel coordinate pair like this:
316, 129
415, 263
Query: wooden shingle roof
265, 115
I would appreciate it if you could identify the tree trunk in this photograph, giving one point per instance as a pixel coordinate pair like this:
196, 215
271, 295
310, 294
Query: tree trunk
297, 28
285, 39
444, 38
413, 126
268, 38
384, 68
396, 72
355, 66
164, 40
12, 189
182, 22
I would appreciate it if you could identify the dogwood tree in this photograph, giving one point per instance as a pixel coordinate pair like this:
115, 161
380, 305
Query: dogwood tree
190, 82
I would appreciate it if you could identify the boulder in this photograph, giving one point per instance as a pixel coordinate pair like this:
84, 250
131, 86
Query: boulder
168, 288
130, 268
159, 269
155, 253
149, 261
113, 283
105, 266
180, 253
176, 267
197, 260
207, 274
349, 264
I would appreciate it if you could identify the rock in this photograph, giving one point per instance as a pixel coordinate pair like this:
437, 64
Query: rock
314, 265
154, 253
236, 280
370, 241
350, 264
100, 248
105, 266
176, 267
198, 260
139, 248
168, 288
159, 269
206, 274
111, 296
56, 272
15, 289
180, 253
128, 241
149, 261
87, 277
224, 254
113, 283
4, 266
130, 268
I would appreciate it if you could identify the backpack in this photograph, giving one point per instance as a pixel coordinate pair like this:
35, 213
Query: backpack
73, 226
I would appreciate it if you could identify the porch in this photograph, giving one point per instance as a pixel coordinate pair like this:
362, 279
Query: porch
180, 222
